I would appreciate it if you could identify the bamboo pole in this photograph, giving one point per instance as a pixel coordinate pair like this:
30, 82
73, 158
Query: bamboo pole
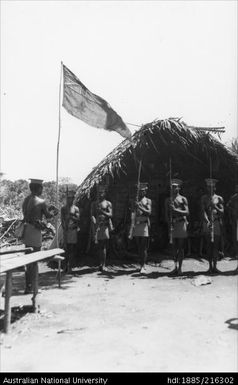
57, 157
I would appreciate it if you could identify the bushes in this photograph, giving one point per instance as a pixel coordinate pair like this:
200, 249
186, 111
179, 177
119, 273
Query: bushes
12, 194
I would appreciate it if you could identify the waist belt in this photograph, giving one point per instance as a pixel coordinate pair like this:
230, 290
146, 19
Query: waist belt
141, 220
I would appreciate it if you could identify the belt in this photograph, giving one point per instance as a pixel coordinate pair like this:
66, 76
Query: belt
141, 220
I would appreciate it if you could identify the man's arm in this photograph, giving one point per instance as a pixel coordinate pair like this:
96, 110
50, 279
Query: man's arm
185, 211
108, 211
145, 210
49, 213
77, 213
220, 206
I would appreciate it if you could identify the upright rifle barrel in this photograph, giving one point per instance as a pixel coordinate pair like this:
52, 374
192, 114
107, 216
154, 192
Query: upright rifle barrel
211, 192
170, 208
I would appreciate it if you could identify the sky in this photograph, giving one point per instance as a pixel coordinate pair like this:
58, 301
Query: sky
149, 60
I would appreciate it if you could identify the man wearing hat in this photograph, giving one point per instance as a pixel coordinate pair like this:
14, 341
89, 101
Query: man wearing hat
34, 208
140, 223
70, 216
232, 207
176, 212
212, 206
101, 219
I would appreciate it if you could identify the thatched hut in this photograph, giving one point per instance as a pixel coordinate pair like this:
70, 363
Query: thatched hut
191, 151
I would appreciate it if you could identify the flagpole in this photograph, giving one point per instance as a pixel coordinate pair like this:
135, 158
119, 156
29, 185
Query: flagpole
57, 156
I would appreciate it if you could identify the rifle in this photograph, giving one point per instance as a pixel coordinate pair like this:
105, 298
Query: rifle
65, 229
95, 226
133, 214
212, 214
170, 208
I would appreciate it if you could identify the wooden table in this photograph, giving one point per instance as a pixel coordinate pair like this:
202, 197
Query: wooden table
15, 259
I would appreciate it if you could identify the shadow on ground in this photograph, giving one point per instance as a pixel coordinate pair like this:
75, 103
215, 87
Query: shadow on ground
17, 312
232, 323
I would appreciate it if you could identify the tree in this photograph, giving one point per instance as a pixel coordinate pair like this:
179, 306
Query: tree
12, 194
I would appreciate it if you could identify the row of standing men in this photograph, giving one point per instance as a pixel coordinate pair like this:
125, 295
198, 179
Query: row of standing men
176, 213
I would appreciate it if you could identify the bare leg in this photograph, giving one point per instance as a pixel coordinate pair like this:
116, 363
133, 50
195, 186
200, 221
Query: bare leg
28, 281
102, 254
144, 254
175, 253
201, 246
215, 251
29, 272
180, 254
210, 246
189, 246
70, 248
138, 246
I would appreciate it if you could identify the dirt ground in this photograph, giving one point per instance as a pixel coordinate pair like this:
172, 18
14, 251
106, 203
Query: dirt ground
121, 321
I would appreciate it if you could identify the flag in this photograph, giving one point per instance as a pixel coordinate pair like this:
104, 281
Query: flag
90, 108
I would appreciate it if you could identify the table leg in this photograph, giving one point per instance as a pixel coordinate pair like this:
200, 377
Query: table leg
35, 278
8, 292
59, 272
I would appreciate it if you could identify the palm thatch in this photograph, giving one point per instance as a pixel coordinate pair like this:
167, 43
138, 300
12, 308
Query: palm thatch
160, 140
191, 151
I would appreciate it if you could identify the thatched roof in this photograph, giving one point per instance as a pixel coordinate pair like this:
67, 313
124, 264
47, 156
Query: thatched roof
160, 140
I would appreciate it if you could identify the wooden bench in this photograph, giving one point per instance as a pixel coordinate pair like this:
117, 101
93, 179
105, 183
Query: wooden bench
15, 259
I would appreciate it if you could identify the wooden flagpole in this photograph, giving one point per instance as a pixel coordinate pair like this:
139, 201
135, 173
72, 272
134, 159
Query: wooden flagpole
57, 157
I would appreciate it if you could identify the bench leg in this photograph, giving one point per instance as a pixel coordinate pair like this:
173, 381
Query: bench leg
8, 292
35, 278
59, 272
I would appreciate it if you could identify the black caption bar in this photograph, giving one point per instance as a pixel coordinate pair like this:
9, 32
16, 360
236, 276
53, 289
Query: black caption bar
119, 378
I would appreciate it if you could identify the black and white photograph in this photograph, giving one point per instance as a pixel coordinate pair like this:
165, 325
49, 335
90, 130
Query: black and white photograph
118, 191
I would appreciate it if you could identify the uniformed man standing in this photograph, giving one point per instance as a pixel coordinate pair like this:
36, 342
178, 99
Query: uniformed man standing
101, 219
34, 209
212, 206
70, 217
176, 212
140, 223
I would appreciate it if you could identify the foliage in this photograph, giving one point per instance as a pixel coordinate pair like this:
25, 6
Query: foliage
12, 194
